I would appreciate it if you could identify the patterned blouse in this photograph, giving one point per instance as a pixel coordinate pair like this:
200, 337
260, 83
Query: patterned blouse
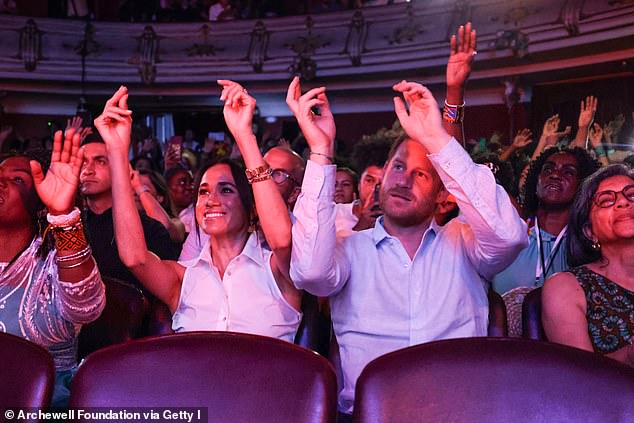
36, 305
610, 311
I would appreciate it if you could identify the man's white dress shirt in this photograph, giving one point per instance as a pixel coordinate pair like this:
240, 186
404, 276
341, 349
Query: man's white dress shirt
381, 300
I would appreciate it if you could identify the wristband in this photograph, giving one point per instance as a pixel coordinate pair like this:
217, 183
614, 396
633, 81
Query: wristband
600, 150
453, 113
69, 219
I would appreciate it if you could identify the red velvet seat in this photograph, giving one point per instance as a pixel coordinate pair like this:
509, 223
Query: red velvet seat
494, 380
27, 374
532, 327
123, 318
238, 377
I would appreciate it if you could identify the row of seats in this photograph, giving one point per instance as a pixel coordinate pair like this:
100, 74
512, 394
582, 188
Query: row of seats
247, 378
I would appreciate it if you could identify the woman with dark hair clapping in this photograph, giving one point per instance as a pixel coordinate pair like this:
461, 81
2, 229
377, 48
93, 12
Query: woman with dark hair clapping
592, 305
239, 282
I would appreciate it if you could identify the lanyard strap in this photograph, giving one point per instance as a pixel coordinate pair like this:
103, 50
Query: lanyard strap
542, 267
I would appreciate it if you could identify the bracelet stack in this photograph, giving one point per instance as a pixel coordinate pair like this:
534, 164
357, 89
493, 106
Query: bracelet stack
452, 113
332, 160
259, 174
68, 233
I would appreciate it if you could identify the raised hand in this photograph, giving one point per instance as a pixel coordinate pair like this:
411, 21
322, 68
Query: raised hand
115, 122
238, 110
319, 129
588, 109
522, 138
461, 54
422, 122
595, 135
74, 123
58, 188
366, 213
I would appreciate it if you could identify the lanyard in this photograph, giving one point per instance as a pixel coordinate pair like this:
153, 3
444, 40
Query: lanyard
542, 267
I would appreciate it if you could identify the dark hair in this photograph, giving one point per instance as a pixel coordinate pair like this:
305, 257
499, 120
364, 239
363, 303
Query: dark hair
353, 175
242, 184
370, 152
161, 189
502, 171
93, 138
587, 166
172, 171
137, 159
578, 247
629, 160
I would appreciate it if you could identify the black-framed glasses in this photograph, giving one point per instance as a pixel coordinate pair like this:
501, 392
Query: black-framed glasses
608, 197
280, 176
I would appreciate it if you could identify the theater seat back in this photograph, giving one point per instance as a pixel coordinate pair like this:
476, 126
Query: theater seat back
236, 377
27, 374
494, 380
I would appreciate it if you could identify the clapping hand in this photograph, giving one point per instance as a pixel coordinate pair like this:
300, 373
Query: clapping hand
319, 129
238, 110
422, 122
115, 122
58, 188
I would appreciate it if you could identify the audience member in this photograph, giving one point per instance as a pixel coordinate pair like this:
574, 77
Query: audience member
153, 198
389, 287
551, 185
47, 289
180, 184
591, 306
96, 188
346, 185
236, 283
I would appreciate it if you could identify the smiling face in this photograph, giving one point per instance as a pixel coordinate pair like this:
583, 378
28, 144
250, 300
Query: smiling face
18, 199
219, 209
558, 181
614, 223
181, 188
411, 187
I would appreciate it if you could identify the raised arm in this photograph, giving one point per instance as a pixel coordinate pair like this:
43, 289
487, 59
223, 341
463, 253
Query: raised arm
596, 143
496, 232
550, 135
314, 266
564, 316
462, 51
270, 206
163, 279
586, 117
79, 293
155, 210
57, 190
522, 139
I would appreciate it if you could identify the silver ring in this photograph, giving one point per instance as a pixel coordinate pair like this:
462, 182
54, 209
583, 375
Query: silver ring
475, 52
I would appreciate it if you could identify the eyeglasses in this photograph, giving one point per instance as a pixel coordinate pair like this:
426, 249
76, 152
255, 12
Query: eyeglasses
280, 176
607, 198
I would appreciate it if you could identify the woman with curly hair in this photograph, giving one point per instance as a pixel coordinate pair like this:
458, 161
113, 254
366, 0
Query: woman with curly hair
551, 184
591, 306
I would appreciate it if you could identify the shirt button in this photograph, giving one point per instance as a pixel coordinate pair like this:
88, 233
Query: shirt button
224, 319
405, 265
